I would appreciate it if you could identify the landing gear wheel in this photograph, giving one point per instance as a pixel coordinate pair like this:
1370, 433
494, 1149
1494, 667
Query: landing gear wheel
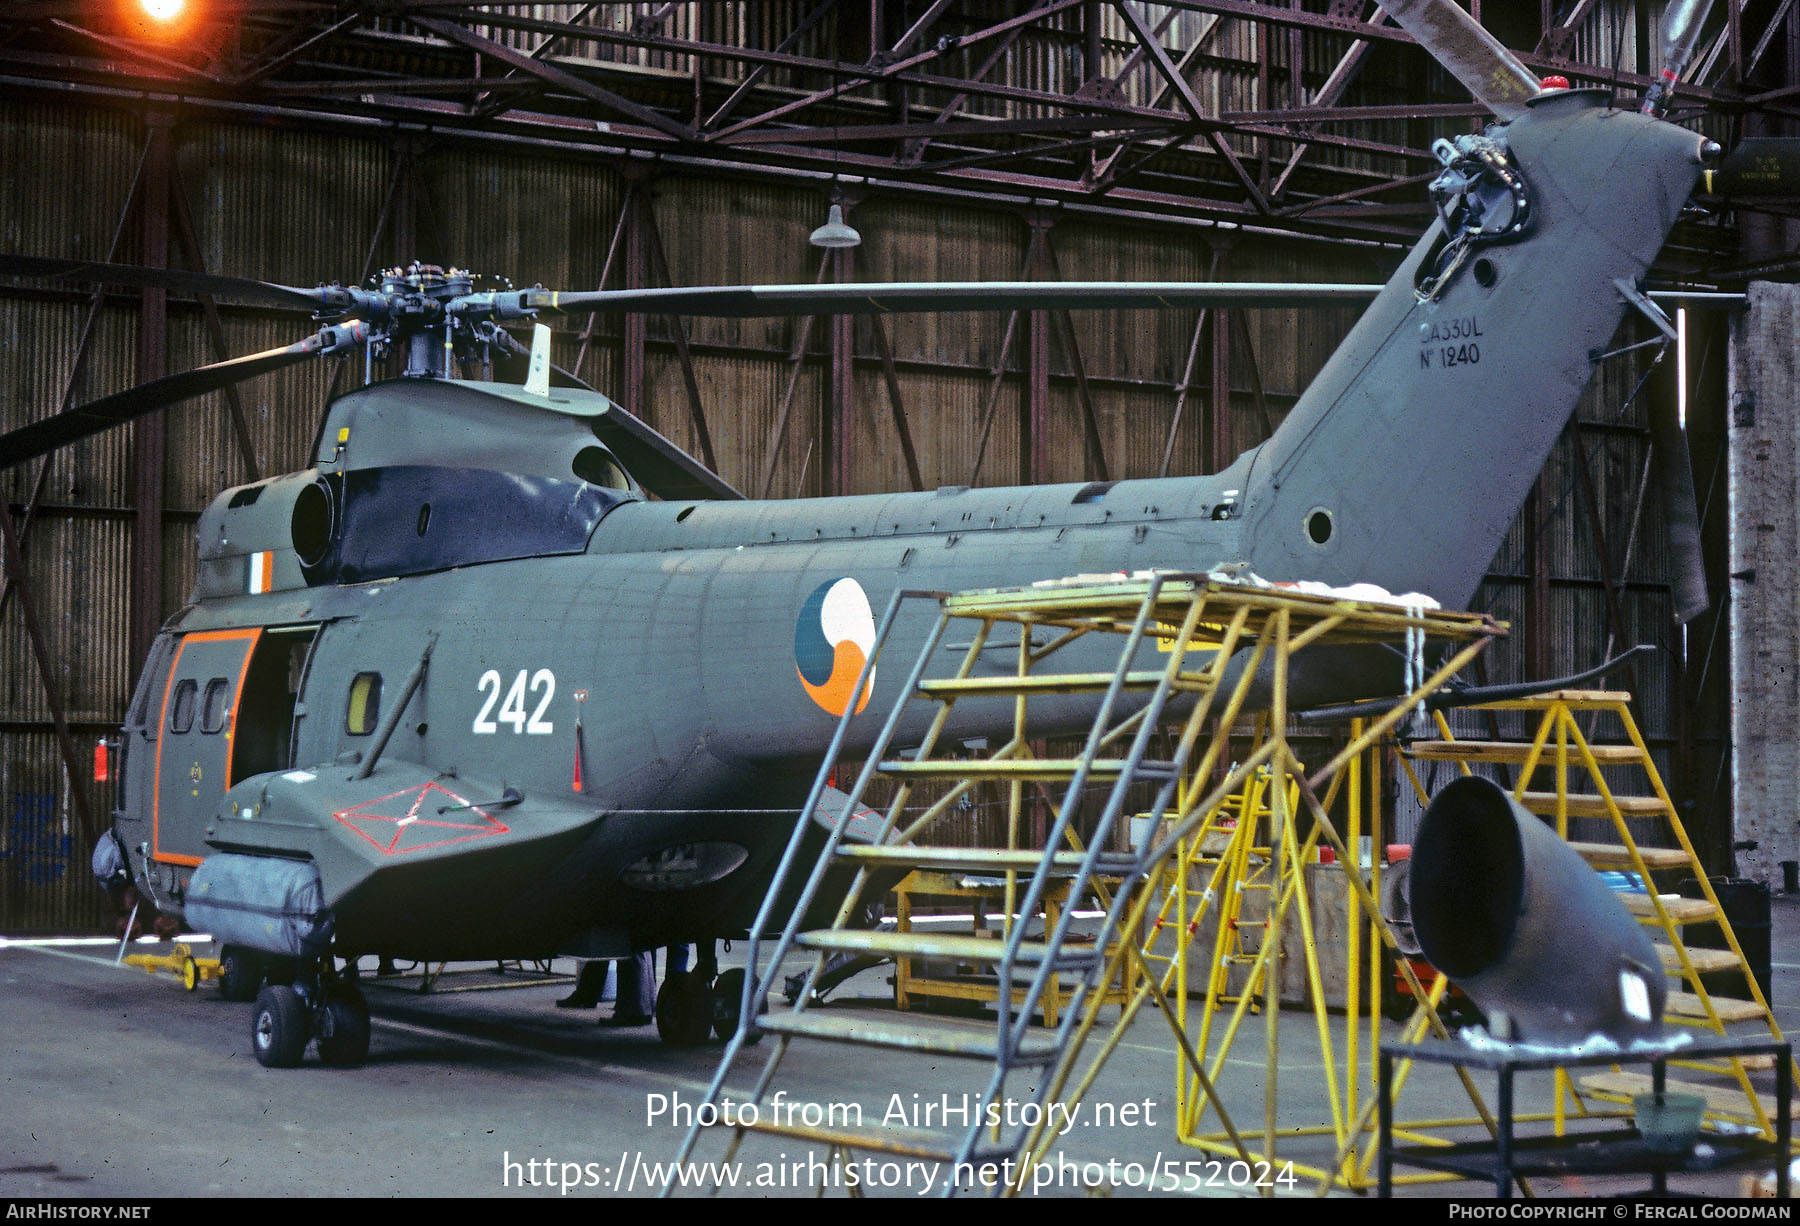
684, 1009
728, 996
344, 1029
240, 975
278, 1028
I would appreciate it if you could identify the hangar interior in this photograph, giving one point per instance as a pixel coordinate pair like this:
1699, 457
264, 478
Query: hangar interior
584, 146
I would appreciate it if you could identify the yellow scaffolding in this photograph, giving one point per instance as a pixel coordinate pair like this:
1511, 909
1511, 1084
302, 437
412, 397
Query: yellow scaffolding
1244, 837
1647, 839
1222, 651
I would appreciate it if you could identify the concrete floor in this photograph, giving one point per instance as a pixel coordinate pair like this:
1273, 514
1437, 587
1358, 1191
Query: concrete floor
120, 1084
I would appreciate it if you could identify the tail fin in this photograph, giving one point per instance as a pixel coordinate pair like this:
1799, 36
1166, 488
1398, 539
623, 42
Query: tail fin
1405, 461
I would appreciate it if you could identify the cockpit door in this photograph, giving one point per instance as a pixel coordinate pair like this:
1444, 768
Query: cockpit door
196, 739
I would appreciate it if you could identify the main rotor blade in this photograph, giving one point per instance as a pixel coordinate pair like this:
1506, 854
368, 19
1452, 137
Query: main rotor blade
82, 421
873, 298
1480, 61
266, 292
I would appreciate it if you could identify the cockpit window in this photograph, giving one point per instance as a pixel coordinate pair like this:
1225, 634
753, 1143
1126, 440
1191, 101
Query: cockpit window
365, 704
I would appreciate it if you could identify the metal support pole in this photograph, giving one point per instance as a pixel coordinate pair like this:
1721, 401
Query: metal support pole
797, 363
1034, 433
1034, 450
40, 653
696, 411
612, 252
1186, 384
1095, 467
148, 431
189, 242
632, 358
999, 374
1219, 432
896, 403
126, 214
839, 454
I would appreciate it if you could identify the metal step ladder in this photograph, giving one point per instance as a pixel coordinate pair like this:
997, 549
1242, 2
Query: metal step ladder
1106, 654
1648, 839
1089, 649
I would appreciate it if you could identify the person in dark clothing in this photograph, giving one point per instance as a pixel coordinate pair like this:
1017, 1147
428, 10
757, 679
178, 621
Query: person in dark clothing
635, 1000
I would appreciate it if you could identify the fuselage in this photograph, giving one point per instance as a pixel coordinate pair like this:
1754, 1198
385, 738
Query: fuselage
681, 658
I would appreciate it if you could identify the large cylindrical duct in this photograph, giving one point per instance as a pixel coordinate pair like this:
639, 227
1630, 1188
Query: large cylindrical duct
1518, 921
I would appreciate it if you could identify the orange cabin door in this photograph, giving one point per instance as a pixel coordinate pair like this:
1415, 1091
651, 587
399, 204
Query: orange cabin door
196, 738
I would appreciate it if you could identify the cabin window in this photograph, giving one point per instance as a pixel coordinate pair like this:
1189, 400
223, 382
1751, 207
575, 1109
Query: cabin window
216, 706
181, 707
365, 704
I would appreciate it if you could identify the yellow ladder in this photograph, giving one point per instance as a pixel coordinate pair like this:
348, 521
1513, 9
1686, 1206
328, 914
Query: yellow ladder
1229, 859
1648, 839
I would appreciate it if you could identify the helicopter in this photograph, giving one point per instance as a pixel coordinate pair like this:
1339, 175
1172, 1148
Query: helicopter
506, 672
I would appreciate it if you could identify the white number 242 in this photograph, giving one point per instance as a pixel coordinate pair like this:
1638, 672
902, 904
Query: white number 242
512, 709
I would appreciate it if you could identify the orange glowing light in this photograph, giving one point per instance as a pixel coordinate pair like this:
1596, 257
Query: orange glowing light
163, 10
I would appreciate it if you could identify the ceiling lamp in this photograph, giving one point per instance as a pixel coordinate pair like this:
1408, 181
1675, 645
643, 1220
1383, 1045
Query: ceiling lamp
836, 232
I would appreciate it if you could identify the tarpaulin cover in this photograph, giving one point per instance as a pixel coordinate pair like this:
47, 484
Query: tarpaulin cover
260, 902
109, 862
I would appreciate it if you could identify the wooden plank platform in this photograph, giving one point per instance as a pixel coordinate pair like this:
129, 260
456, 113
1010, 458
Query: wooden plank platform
1583, 804
1613, 855
1679, 910
1704, 960
1536, 701
1729, 1008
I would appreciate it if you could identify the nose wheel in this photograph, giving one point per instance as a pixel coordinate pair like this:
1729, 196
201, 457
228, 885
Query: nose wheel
693, 1006
684, 1008
288, 1017
728, 1004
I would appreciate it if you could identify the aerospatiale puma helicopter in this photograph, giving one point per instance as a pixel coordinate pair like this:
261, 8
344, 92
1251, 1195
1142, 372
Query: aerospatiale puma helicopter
461, 690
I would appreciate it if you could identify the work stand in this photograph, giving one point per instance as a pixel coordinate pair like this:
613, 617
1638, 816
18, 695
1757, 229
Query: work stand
1604, 1149
1159, 670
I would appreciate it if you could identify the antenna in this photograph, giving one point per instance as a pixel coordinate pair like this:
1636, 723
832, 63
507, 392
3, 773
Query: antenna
537, 378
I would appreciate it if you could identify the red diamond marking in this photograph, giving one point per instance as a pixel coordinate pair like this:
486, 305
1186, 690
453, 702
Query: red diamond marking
409, 820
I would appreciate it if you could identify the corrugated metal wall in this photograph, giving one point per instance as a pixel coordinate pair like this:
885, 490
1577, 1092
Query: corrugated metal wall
300, 207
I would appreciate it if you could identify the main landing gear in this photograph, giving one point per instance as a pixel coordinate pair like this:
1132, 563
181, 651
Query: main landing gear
317, 1005
694, 1005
